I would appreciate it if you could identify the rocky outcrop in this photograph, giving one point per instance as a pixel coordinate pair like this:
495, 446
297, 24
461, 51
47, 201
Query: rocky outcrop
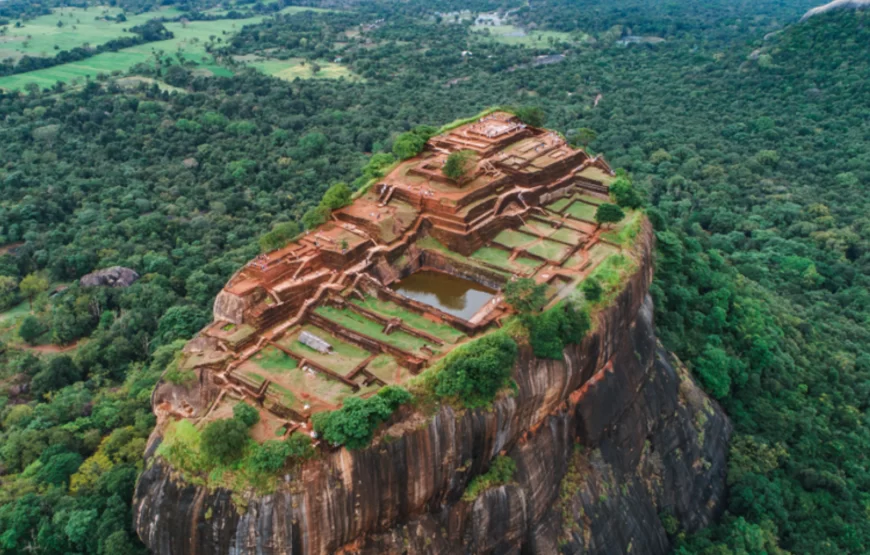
116, 276
837, 5
613, 446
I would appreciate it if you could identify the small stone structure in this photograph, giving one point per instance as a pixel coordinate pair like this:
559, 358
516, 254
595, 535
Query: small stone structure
310, 340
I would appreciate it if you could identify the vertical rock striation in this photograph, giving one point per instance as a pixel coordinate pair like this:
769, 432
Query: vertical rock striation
610, 444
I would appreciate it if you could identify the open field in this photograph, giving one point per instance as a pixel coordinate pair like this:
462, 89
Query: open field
43, 37
190, 40
513, 35
294, 68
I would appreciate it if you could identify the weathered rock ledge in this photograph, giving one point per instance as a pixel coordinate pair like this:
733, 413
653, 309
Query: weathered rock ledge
607, 443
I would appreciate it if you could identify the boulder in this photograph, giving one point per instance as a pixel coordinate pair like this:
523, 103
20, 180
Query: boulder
116, 276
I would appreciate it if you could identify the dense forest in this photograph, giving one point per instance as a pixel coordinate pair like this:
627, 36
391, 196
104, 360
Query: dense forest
751, 141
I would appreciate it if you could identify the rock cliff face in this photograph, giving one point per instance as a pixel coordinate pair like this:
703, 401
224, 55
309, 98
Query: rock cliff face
610, 444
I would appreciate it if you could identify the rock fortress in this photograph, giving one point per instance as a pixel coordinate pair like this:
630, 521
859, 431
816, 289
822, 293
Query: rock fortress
607, 443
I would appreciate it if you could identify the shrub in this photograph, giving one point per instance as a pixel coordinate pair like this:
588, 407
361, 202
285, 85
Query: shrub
299, 447
407, 145
354, 424
500, 472
524, 295
531, 115
30, 330
315, 216
592, 290
246, 414
474, 374
270, 456
608, 214
223, 441
624, 194
458, 164
551, 331
337, 196
280, 235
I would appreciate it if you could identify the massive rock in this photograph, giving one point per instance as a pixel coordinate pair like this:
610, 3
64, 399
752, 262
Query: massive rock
837, 5
116, 276
614, 446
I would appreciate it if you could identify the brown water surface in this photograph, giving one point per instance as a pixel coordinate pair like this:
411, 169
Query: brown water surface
453, 295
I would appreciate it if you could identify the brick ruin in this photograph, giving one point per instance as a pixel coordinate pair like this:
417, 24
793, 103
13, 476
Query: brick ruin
299, 329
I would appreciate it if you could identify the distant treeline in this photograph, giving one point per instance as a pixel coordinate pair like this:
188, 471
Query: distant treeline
148, 32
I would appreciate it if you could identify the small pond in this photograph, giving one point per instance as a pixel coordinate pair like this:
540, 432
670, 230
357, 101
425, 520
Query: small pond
453, 295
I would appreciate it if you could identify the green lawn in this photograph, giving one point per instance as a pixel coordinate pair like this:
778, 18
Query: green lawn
343, 358
582, 211
273, 359
549, 250
560, 204
412, 319
499, 257
512, 238
356, 322
568, 235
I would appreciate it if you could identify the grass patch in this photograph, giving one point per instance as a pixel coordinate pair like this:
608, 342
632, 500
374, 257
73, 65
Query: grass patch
499, 258
512, 238
412, 319
343, 358
549, 250
582, 211
568, 235
625, 232
298, 68
274, 359
356, 322
513, 35
500, 472
560, 204
610, 274
189, 40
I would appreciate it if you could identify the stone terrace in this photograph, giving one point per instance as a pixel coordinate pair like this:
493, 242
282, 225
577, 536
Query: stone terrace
525, 208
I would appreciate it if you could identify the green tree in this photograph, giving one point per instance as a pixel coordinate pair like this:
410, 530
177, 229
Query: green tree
8, 288
31, 329
32, 285
279, 236
354, 424
246, 414
337, 196
608, 214
474, 373
531, 115
407, 145
623, 193
584, 136
592, 290
524, 295
60, 372
458, 164
224, 441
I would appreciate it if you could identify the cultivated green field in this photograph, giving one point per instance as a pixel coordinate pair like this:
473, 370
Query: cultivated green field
43, 37
190, 41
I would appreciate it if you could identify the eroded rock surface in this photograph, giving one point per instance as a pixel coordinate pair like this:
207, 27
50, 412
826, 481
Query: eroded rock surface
607, 443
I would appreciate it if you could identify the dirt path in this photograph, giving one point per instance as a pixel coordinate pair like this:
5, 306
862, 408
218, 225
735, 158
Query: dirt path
52, 349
